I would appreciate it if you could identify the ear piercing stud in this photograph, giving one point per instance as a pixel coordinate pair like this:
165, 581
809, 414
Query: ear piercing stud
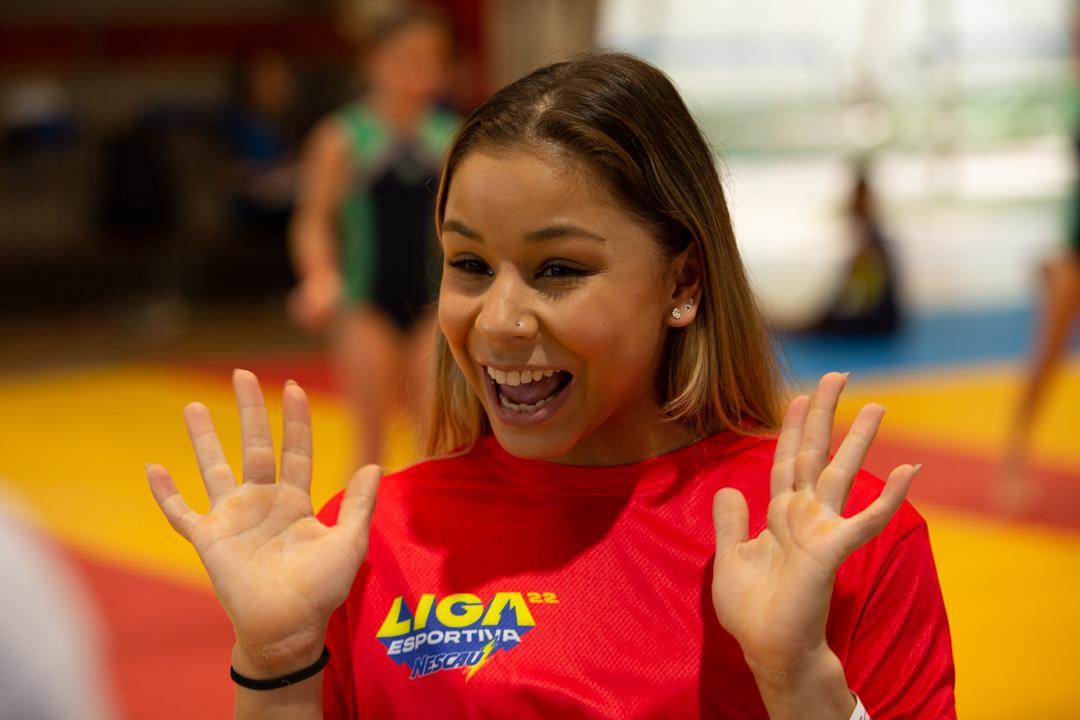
677, 313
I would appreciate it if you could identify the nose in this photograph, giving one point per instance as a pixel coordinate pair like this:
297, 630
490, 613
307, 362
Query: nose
506, 314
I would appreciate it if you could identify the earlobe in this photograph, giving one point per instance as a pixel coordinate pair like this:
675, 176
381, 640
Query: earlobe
678, 312
686, 271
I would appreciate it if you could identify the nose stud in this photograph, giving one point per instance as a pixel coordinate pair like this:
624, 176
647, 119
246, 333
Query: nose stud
518, 323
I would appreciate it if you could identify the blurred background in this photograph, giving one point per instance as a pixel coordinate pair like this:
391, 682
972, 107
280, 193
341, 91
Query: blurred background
901, 176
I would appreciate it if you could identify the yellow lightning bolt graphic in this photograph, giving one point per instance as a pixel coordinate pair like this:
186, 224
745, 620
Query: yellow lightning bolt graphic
481, 661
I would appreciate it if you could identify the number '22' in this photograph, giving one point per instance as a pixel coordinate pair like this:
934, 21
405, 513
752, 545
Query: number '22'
541, 598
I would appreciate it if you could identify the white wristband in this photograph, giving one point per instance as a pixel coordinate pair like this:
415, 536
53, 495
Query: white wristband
860, 710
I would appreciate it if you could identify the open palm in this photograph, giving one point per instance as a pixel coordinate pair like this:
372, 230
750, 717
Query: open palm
278, 572
772, 593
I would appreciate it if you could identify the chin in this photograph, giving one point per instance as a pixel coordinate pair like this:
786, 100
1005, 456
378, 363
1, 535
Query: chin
531, 444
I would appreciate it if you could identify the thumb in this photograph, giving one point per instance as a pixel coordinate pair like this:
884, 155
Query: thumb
731, 520
358, 505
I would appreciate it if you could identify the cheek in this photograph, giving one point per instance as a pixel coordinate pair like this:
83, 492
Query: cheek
454, 321
457, 340
618, 341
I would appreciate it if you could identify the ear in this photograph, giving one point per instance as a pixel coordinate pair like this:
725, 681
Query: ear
686, 284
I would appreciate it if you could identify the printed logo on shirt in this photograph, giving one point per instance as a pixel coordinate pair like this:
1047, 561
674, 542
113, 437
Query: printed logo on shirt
458, 631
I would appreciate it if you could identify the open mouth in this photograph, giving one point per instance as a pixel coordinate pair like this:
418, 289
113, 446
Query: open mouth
526, 391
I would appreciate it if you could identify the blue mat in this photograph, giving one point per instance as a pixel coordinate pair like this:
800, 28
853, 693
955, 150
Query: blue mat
929, 340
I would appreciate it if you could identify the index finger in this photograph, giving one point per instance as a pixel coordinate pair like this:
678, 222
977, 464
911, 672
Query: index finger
216, 474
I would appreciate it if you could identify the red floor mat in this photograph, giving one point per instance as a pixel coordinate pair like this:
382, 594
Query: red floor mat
964, 481
169, 644
312, 370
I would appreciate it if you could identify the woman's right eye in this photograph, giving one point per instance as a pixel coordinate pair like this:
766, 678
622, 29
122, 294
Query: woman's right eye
470, 266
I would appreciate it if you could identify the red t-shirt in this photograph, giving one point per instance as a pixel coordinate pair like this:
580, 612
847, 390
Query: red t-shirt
501, 587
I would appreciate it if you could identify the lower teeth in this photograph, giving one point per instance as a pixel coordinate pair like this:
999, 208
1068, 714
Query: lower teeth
521, 407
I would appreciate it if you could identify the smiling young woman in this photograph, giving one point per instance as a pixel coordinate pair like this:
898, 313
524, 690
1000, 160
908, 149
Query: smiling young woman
614, 522
531, 282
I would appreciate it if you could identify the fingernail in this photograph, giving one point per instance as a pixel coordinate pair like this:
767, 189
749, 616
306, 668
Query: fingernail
918, 468
146, 466
291, 382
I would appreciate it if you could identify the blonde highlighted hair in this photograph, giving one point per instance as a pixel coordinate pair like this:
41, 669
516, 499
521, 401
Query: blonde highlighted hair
624, 119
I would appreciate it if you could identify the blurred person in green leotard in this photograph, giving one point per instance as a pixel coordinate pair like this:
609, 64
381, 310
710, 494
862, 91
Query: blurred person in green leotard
363, 237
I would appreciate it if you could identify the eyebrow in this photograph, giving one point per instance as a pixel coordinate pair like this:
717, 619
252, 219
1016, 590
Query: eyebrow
552, 232
562, 230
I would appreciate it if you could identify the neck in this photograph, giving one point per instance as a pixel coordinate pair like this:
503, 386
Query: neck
626, 443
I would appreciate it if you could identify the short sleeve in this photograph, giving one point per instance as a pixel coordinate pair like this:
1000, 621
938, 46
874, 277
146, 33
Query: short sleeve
900, 659
339, 702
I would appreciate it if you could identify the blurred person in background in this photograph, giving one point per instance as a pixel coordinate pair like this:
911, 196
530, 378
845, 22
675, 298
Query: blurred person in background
1060, 278
50, 652
262, 142
363, 239
866, 301
36, 113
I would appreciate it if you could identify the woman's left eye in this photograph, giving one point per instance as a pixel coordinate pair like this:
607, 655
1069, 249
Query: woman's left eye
470, 266
559, 270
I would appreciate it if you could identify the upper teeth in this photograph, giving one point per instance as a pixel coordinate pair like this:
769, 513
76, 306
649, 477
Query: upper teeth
518, 378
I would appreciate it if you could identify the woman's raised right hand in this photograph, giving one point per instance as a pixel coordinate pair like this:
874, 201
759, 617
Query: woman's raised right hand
278, 572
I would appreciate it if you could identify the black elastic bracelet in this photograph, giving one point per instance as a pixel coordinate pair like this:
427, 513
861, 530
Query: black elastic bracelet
285, 680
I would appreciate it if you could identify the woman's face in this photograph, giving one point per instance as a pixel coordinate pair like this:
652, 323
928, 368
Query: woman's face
413, 63
555, 303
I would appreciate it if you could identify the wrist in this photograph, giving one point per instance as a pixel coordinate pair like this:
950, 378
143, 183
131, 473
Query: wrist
272, 662
297, 677
812, 689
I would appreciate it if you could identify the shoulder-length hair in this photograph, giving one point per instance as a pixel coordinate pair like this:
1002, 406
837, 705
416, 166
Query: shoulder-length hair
625, 120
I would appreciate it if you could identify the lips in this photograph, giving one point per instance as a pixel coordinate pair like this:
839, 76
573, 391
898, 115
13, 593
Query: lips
529, 402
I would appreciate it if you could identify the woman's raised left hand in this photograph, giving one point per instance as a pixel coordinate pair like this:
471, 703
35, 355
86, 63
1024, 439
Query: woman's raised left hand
772, 593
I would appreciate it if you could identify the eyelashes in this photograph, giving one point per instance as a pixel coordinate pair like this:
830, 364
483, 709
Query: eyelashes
551, 270
557, 271
470, 266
